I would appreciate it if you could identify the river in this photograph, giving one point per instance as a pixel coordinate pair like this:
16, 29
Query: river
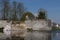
36, 35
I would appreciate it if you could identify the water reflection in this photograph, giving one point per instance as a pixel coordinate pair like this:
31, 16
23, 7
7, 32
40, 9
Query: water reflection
35, 35
55, 35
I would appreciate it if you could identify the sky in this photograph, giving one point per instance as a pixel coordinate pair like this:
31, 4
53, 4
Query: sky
51, 6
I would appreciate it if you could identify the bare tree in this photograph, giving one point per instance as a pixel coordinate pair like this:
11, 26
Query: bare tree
20, 10
0, 9
5, 9
14, 15
13, 12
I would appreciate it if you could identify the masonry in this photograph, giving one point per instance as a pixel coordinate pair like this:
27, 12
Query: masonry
38, 24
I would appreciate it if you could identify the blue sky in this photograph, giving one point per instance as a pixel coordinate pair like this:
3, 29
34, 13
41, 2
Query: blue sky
51, 6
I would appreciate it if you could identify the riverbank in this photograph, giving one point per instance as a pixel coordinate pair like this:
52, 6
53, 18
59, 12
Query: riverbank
55, 28
31, 30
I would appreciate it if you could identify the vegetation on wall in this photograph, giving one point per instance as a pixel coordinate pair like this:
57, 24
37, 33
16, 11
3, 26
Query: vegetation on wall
29, 14
42, 14
1, 30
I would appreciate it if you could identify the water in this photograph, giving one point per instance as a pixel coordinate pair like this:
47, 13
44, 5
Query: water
55, 35
36, 35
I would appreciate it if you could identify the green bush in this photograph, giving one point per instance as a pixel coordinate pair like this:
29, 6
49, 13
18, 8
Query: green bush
29, 29
55, 28
1, 29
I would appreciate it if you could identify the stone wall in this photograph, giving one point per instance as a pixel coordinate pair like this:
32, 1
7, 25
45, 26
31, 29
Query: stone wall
3, 23
18, 30
38, 24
